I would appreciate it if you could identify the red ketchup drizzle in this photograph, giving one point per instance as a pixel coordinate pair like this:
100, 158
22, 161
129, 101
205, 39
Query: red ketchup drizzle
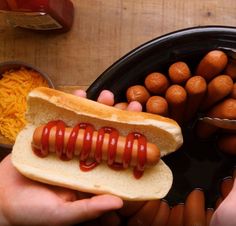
59, 143
44, 150
67, 153
142, 153
86, 148
70, 148
99, 143
112, 146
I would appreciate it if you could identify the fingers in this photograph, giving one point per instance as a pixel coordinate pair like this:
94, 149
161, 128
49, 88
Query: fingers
107, 97
87, 209
134, 106
80, 93
225, 213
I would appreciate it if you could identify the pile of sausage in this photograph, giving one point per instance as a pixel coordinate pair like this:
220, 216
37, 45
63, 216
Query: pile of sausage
193, 211
210, 88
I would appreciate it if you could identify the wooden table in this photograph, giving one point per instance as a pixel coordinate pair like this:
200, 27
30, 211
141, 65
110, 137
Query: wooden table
103, 31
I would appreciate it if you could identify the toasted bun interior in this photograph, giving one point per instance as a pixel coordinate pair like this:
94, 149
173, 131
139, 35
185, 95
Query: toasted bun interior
45, 104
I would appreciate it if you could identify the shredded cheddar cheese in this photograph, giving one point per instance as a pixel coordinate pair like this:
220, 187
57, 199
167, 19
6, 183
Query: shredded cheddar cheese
14, 88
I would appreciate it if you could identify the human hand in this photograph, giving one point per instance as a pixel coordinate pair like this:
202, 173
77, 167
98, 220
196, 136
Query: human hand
225, 213
107, 97
27, 202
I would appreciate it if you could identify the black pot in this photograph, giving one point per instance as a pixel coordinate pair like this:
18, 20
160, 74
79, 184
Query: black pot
198, 163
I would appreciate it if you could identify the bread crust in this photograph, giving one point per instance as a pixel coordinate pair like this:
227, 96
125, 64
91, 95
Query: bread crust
46, 104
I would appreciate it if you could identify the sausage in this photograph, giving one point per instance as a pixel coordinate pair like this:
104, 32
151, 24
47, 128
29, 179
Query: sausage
209, 214
228, 130
162, 215
145, 215
94, 222
121, 105
137, 93
129, 208
179, 72
156, 83
152, 153
157, 105
176, 97
111, 218
217, 89
226, 186
233, 92
194, 210
176, 217
231, 69
212, 64
227, 143
196, 88
225, 109
205, 130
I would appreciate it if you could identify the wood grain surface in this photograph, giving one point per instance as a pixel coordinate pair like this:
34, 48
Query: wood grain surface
103, 31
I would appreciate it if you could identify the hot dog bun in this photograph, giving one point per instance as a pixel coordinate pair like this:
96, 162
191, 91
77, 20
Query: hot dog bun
46, 104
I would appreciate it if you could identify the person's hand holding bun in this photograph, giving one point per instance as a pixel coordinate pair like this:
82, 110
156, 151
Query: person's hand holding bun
27, 202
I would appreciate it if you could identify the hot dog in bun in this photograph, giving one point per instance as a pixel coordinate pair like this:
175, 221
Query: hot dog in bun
80, 144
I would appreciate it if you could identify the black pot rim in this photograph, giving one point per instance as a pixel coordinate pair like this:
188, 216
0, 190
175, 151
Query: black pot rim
175, 35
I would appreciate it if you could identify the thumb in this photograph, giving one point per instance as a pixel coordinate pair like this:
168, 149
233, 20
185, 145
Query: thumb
225, 213
87, 209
